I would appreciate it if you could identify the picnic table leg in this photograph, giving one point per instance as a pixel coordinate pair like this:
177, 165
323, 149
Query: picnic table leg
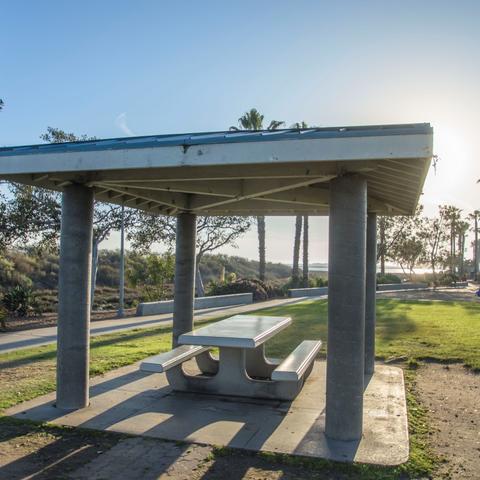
258, 365
207, 364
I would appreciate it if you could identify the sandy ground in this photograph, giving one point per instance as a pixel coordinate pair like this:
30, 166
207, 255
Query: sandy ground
452, 395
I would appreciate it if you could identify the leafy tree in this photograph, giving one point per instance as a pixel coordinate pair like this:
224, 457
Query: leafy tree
1, 104
408, 252
56, 135
153, 275
253, 120
33, 214
400, 241
212, 234
434, 234
389, 233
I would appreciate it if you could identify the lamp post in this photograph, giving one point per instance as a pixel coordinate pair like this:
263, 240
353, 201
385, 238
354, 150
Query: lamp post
121, 311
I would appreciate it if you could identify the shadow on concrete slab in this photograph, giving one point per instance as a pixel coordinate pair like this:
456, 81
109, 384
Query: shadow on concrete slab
138, 403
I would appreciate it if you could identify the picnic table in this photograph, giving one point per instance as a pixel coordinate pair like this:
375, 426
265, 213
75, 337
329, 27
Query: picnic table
242, 369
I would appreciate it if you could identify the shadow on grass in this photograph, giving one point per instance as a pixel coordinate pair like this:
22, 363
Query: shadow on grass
95, 343
393, 320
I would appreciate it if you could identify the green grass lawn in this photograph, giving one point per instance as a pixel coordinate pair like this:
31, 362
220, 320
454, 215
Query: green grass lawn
413, 330
416, 330
409, 330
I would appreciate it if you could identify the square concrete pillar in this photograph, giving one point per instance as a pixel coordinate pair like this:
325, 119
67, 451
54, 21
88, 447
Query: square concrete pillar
184, 294
73, 337
370, 293
346, 308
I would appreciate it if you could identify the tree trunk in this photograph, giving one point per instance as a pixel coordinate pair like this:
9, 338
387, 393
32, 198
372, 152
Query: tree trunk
296, 251
382, 246
94, 270
461, 254
475, 253
452, 249
261, 247
199, 287
305, 251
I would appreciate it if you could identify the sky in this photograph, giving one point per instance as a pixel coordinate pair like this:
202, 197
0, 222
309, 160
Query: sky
121, 68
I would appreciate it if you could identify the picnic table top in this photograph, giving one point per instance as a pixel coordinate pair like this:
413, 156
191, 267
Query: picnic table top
239, 331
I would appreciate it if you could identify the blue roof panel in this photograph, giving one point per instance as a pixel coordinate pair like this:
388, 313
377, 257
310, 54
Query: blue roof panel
222, 137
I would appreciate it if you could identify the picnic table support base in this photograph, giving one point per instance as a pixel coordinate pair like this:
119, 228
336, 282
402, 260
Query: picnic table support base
207, 364
258, 365
232, 379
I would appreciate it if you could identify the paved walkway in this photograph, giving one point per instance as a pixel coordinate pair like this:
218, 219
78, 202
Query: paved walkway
10, 341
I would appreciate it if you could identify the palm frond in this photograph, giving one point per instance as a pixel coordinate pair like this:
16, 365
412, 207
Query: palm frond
274, 124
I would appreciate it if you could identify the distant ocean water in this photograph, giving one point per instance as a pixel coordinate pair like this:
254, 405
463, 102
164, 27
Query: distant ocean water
323, 267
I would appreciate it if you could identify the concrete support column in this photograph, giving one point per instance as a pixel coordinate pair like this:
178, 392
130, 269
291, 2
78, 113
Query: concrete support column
370, 293
184, 294
346, 308
73, 337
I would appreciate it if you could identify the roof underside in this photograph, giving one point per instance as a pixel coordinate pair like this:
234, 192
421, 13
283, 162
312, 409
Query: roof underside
281, 172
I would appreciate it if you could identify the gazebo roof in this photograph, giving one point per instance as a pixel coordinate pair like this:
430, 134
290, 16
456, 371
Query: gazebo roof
280, 172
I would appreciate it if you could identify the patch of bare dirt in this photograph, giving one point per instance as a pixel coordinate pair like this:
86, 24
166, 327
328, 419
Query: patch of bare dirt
42, 453
29, 451
15, 324
452, 395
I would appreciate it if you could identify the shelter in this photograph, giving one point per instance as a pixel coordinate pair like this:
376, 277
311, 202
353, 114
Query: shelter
351, 174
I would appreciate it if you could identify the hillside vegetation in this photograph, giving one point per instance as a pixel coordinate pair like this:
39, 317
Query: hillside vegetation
27, 271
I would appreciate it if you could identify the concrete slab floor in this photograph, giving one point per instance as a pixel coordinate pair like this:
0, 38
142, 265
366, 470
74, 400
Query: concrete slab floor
129, 401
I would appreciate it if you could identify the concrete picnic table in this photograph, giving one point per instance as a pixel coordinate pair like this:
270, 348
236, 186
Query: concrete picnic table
242, 368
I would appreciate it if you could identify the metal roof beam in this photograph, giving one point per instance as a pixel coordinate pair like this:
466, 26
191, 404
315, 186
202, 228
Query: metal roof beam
258, 188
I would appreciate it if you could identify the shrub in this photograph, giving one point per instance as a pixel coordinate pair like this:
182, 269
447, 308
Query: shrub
388, 278
261, 290
446, 279
321, 282
20, 301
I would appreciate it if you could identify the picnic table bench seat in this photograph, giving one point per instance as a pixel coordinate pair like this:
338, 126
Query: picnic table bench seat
164, 361
294, 367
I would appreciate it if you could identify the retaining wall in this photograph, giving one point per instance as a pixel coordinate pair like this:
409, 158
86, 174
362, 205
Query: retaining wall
166, 306
386, 287
307, 292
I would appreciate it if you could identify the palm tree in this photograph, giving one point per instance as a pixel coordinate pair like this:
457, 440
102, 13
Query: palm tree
475, 216
300, 125
298, 231
296, 251
253, 120
1, 104
305, 251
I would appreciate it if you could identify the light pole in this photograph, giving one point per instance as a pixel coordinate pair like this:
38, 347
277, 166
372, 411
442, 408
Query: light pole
121, 312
